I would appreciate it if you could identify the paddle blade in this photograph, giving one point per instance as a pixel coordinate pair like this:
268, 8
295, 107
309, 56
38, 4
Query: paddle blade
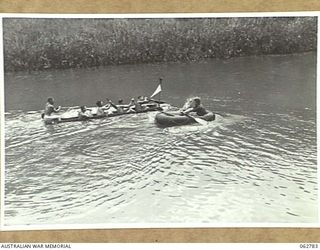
198, 120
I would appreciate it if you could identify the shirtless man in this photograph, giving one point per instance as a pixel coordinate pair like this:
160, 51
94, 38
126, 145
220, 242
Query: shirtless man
49, 109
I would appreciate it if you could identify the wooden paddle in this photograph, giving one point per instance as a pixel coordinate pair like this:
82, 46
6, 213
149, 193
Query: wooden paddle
156, 101
69, 108
166, 113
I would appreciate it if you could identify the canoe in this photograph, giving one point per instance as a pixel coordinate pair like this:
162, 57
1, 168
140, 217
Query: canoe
169, 119
54, 119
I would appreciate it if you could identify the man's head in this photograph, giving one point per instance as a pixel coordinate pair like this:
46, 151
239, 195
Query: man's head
83, 108
50, 100
197, 101
99, 103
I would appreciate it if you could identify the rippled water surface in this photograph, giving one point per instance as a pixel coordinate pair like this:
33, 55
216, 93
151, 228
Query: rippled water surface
256, 163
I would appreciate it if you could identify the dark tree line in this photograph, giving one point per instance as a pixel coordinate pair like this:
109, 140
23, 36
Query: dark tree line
38, 44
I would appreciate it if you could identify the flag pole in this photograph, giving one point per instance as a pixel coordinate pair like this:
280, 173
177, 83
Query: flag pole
160, 82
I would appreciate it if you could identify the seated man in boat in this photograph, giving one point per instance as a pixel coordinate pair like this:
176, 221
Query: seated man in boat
120, 107
132, 106
84, 112
147, 103
100, 110
194, 105
144, 103
143, 99
49, 109
135, 106
110, 107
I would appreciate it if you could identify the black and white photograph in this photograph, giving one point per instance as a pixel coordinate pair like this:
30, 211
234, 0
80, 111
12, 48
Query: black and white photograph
149, 120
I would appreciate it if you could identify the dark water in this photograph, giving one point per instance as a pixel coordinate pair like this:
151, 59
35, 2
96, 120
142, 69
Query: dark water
256, 163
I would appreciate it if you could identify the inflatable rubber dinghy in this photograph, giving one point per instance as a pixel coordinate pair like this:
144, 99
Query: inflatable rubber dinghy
169, 119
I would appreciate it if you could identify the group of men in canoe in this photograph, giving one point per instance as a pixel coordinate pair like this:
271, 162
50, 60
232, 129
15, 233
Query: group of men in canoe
142, 104
103, 109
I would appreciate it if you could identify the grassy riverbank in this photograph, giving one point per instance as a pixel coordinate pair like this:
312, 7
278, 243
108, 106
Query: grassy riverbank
38, 44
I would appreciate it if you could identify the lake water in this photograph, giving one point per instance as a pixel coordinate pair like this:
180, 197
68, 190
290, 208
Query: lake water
256, 164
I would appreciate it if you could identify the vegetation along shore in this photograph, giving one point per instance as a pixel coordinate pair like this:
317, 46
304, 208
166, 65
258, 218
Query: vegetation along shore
39, 44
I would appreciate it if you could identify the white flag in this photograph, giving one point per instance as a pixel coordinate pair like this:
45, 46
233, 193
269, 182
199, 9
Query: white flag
157, 91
